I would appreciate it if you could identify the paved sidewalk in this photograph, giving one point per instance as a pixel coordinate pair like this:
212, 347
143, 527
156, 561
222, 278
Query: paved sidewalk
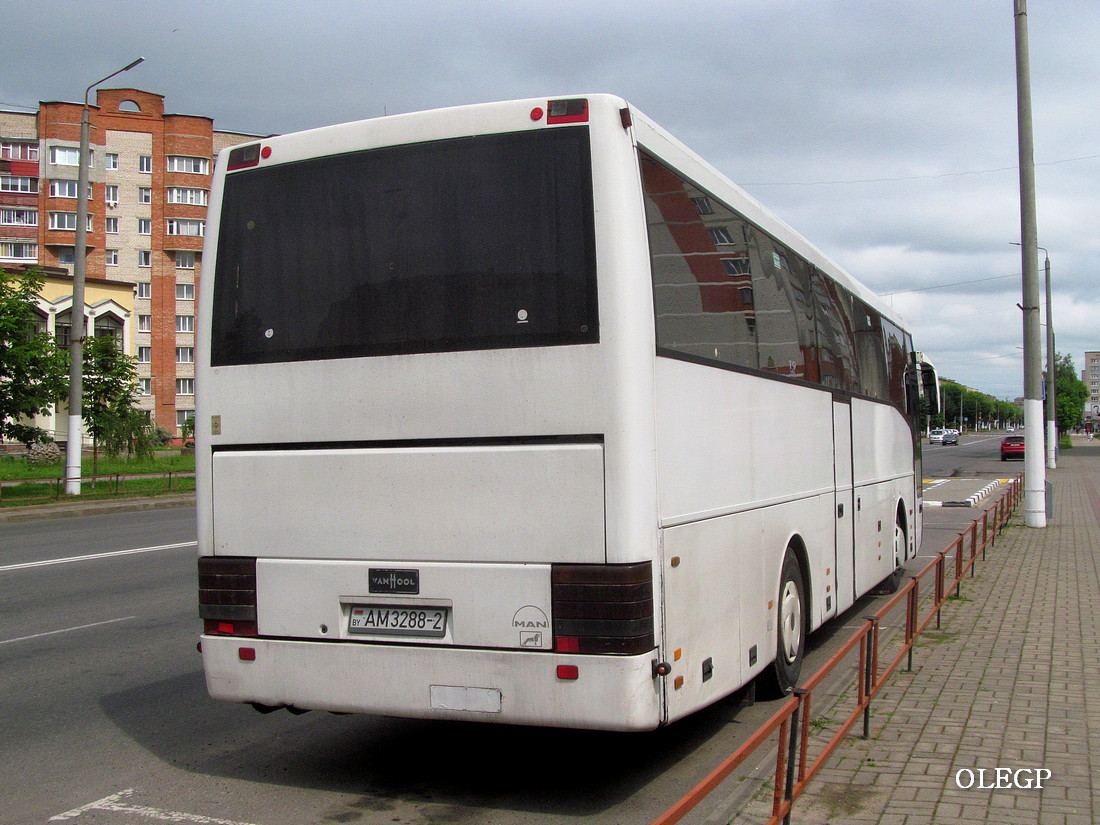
1011, 682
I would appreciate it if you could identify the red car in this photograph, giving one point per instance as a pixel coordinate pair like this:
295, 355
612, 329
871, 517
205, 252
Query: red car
1012, 447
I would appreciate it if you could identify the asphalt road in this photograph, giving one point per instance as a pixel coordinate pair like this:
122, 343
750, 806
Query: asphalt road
105, 718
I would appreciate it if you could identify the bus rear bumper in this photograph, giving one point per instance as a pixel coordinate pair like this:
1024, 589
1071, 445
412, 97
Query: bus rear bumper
500, 686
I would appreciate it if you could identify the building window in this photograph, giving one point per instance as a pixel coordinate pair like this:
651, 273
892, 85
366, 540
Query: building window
145, 257
179, 194
145, 226
145, 323
145, 194
63, 220
63, 188
65, 155
185, 292
194, 229
145, 163
185, 386
111, 256
185, 355
18, 183
183, 415
19, 217
185, 259
111, 160
19, 251
191, 165
720, 235
145, 386
17, 150
145, 355
110, 194
67, 221
65, 254
185, 323
702, 205
110, 225
144, 289
737, 267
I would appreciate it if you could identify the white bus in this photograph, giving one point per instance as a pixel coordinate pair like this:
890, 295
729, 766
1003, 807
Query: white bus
521, 412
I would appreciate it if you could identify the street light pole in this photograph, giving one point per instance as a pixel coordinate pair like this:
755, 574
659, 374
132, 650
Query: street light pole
78, 330
1034, 469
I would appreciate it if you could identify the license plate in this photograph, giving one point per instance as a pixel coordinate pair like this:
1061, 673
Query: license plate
398, 621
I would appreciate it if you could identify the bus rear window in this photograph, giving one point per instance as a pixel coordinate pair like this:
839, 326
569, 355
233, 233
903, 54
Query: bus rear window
473, 243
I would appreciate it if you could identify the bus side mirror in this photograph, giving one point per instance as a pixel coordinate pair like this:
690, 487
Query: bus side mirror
931, 387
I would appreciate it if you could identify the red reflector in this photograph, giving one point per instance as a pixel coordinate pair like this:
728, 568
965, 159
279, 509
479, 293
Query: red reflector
570, 672
265, 152
225, 627
536, 114
567, 644
247, 654
567, 111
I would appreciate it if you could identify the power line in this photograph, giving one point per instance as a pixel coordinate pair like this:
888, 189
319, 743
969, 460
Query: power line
918, 177
947, 286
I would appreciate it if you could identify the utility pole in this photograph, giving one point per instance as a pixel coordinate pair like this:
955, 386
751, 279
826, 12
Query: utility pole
1035, 514
78, 331
1052, 389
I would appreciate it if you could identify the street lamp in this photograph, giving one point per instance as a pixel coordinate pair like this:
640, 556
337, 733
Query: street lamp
1035, 498
79, 328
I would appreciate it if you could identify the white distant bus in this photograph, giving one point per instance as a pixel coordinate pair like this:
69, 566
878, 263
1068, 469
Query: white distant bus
523, 413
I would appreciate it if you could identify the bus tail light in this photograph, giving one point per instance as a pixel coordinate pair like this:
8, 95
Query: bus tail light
567, 111
244, 157
227, 595
602, 608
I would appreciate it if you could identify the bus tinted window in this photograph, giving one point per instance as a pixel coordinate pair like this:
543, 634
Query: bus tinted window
475, 243
703, 270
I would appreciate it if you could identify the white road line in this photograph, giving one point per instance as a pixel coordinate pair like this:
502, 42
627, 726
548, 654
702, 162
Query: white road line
70, 559
65, 630
114, 803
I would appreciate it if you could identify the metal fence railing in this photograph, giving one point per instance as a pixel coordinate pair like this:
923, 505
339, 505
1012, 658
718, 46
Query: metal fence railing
873, 654
29, 491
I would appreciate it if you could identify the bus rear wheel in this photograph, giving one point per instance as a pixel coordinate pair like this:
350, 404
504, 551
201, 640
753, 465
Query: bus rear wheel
901, 544
780, 679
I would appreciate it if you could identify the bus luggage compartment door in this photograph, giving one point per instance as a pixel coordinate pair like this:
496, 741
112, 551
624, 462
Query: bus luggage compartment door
508, 503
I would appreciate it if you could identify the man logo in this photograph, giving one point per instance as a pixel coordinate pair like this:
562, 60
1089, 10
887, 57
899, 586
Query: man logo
530, 617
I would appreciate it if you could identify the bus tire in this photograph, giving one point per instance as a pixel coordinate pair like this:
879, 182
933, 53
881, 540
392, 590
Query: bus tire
781, 677
901, 543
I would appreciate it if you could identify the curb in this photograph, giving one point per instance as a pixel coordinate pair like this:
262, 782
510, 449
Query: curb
37, 512
974, 499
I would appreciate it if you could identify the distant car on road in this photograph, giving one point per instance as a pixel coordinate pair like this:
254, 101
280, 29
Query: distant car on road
1012, 447
950, 437
936, 436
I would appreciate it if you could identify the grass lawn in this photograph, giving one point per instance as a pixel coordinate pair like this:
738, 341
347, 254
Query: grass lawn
163, 472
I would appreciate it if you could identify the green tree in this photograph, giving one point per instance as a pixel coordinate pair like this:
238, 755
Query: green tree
1070, 394
110, 384
33, 371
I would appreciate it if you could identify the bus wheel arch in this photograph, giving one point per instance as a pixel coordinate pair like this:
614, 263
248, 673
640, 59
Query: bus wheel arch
900, 551
792, 612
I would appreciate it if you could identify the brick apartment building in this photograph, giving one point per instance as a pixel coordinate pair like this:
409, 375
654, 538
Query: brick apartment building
1090, 374
150, 175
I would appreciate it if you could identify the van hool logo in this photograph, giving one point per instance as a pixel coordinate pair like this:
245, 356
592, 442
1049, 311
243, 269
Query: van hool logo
394, 581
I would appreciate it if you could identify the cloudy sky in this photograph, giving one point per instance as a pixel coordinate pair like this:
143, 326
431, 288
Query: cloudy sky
883, 130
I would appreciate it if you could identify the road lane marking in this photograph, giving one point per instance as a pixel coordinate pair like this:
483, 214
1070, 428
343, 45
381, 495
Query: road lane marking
115, 803
70, 559
65, 630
